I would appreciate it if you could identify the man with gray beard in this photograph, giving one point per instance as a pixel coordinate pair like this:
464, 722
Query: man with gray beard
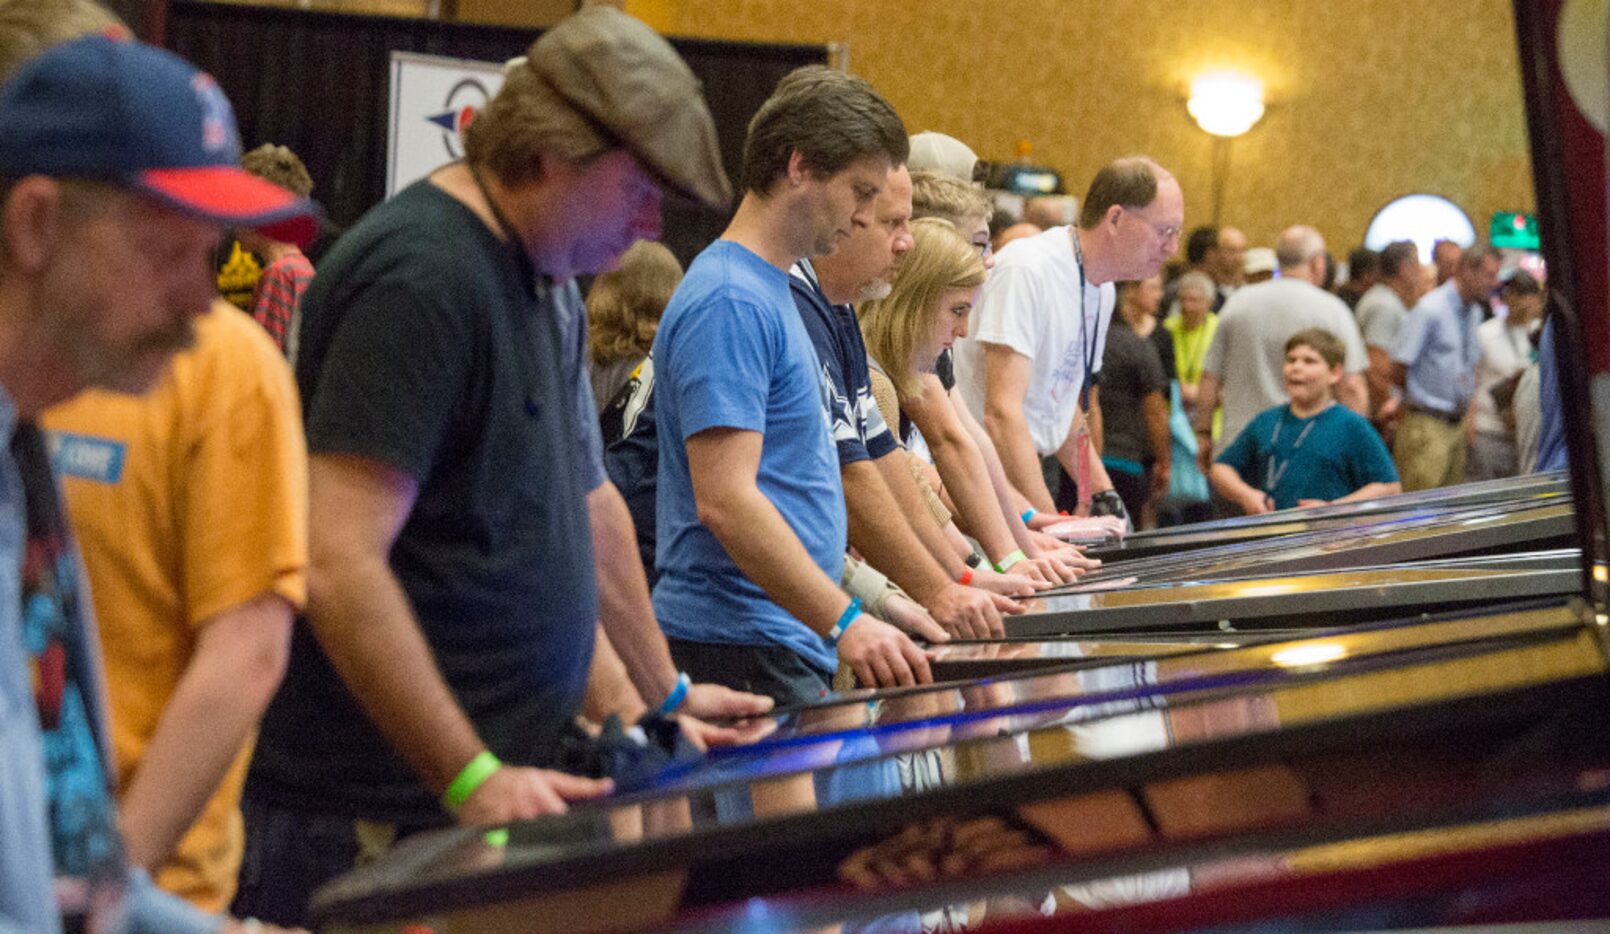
888, 522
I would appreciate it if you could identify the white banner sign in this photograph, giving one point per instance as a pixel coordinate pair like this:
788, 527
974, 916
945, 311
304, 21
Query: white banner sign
432, 100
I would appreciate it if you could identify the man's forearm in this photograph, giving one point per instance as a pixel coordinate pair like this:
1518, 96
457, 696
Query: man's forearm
764, 547
1093, 423
1352, 393
887, 518
1378, 378
1162, 441
363, 621
1081, 460
1068, 454
609, 688
624, 606
239, 659
1207, 402
1010, 435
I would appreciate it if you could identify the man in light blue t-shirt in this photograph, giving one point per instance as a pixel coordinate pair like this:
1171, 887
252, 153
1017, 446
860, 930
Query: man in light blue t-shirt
1434, 361
750, 514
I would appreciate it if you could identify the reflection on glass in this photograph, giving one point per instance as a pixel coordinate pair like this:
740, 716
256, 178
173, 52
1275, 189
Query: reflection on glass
1225, 560
1051, 693
1312, 653
1536, 487
1196, 592
1298, 865
1108, 813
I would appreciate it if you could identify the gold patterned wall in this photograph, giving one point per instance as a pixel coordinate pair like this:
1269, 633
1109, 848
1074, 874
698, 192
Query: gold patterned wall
1368, 99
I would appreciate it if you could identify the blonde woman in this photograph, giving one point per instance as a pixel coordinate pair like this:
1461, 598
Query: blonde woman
906, 334
623, 312
927, 310
957, 442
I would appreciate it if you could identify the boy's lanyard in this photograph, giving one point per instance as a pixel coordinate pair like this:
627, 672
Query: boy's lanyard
1274, 471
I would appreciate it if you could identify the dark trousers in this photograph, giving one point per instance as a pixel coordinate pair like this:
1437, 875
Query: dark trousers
291, 853
1064, 489
1184, 514
1134, 489
759, 669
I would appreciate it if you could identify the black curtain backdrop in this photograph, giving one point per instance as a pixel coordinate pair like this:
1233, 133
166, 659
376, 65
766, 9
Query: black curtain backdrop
317, 82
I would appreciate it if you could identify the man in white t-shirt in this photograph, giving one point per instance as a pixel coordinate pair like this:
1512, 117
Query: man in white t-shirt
1506, 350
1243, 365
1040, 327
1380, 315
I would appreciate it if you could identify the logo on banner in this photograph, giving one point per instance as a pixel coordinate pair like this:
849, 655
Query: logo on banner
463, 102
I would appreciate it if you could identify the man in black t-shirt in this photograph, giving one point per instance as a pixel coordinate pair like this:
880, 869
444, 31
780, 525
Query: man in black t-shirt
461, 525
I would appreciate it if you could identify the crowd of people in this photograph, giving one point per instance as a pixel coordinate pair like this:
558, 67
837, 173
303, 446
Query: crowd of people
1442, 361
363, 554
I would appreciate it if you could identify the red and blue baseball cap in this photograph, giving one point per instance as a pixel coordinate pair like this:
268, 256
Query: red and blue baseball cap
144, 119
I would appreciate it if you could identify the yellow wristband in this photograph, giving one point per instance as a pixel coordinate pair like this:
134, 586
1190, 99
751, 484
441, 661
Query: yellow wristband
473, 776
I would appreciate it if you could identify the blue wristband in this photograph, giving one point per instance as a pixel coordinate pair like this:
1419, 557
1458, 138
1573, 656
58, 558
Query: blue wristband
851, 614
1028, 514
678, 696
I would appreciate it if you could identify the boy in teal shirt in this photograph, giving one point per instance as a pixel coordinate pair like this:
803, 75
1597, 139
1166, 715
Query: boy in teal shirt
1310, 451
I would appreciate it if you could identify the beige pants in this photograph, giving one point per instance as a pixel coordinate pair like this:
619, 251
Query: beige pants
1429, 452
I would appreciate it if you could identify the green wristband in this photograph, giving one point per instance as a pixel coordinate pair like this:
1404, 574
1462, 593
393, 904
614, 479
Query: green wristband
1010, 560
473, 776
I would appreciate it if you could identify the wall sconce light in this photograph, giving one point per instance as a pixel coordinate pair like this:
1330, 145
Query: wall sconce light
1225, 103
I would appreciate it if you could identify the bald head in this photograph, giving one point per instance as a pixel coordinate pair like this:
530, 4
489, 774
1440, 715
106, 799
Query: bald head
1128, 182
1297, 245
1229, 256
1300, 252
1131, 221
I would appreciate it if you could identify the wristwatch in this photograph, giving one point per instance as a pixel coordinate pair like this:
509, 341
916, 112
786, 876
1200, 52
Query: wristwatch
1109, 503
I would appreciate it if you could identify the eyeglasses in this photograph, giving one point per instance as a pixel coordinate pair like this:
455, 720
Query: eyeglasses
1164, 232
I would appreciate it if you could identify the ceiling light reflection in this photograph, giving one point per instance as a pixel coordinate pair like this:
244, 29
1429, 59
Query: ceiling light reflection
1309, 653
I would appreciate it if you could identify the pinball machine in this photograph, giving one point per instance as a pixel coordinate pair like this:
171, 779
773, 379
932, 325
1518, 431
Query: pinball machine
883, 808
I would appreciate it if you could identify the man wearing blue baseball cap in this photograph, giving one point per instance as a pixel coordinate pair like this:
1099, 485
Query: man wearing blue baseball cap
118, 173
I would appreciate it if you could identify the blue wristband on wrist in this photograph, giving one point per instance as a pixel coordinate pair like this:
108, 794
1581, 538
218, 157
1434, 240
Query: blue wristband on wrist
678, 696
851, 613
1029, 513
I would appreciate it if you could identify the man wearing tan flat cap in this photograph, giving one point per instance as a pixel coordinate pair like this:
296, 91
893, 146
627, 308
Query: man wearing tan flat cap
465, 544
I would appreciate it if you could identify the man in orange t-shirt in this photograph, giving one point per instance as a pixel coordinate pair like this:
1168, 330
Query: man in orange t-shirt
190, 507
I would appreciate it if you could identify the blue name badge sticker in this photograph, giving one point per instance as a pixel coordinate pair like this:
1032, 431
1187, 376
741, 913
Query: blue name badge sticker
86, 457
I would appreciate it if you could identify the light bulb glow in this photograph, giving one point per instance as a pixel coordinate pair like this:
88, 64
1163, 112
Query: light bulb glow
1225, 103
